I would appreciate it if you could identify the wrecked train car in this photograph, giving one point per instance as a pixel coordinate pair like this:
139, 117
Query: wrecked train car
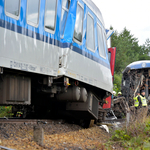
136, 77
53, 58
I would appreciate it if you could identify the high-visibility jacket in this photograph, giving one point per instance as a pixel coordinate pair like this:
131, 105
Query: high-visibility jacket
143, 100
136, 102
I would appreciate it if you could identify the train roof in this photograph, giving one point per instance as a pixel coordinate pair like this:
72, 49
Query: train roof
138, 65
95, 9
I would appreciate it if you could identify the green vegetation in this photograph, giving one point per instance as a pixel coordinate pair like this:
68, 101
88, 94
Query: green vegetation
5, 111
117, 82
127, 52
135, 137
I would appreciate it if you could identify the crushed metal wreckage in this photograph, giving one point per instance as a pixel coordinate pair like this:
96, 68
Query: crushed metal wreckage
136, 77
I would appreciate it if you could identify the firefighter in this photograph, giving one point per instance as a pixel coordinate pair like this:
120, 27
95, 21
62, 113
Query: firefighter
119, 94
114, 95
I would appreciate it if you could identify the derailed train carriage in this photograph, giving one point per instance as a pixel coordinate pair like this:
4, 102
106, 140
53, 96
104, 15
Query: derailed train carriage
136, 77
53, 56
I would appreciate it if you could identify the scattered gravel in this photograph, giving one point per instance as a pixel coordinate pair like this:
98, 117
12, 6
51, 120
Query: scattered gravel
57, 136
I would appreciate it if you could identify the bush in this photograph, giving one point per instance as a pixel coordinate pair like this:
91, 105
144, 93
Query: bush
117, 82
6, 111
135, 136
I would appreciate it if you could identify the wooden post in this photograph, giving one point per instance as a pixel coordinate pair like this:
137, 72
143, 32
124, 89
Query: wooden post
127, 118
38, 135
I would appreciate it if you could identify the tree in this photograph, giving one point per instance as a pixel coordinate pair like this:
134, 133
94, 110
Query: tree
147, 44
127, 49
127, 52
145, 51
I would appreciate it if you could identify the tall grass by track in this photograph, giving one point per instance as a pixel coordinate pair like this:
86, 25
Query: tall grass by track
136, 136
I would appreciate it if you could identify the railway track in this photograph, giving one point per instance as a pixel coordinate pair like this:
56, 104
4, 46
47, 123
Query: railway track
15, 130
48, 121
33, 121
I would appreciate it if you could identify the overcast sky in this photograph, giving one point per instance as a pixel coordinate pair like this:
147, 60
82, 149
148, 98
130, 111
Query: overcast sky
132, 14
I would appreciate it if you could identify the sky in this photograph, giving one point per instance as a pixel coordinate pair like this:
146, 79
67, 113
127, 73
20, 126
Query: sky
132, 14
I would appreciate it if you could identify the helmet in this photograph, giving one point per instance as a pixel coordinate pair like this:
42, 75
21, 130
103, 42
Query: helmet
114, 93
119, 93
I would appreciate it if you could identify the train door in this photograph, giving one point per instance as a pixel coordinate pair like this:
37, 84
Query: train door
111, 55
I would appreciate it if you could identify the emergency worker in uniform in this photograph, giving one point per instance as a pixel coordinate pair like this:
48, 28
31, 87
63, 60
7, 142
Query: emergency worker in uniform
137, 101
143, 99
119, 94
144, 108
114, 95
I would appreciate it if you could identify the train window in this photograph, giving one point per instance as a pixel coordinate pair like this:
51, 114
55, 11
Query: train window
33, 12
100, 42
50, 15
79, 24
64, 14
12, 8
90, 33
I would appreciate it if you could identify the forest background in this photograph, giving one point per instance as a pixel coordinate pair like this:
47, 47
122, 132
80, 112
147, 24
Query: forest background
128, 51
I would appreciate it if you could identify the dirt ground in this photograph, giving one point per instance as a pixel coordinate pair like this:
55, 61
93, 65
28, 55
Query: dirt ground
57, 136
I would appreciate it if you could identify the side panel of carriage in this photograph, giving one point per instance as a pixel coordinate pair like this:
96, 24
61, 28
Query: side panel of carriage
86, 59
31, 43
25, 44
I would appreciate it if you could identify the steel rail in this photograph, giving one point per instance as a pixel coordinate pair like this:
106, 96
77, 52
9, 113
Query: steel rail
7, 120
2, 147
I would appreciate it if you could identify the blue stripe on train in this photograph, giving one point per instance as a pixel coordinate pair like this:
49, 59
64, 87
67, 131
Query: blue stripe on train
32, 34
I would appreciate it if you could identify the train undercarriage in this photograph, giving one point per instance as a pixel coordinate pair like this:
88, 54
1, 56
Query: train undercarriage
38, 96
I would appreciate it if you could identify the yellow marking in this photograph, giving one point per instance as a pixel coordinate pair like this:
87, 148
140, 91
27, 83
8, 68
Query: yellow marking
58, 71
72, 74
